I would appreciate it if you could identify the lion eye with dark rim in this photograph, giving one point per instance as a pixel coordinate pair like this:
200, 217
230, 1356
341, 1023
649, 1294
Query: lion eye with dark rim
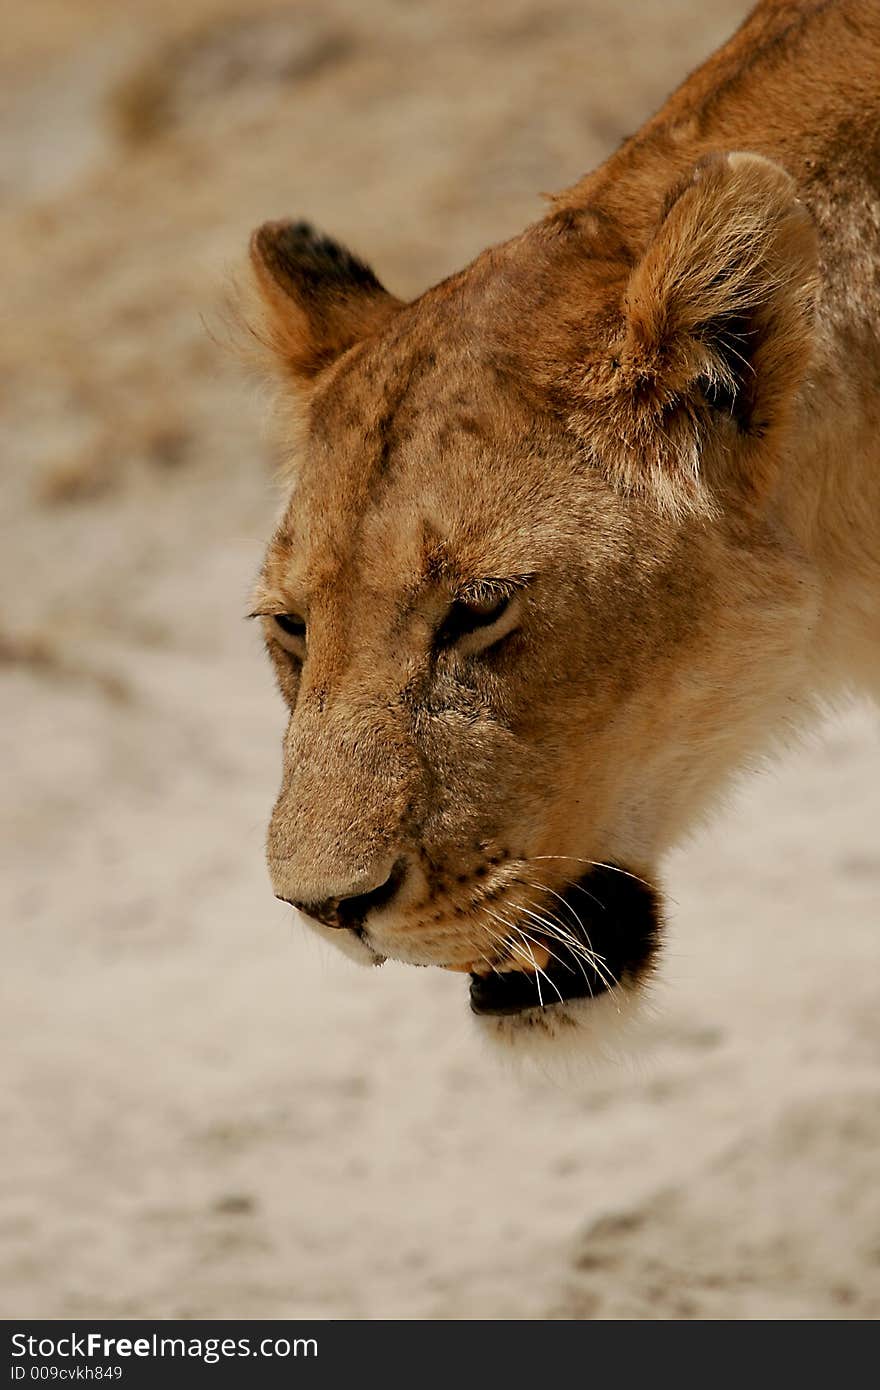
470, 614
290, 624
284, 630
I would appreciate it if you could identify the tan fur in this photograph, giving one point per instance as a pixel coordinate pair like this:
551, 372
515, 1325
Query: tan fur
655, 411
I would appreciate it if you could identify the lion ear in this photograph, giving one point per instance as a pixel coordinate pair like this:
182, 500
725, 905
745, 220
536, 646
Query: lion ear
718, 312
317, 299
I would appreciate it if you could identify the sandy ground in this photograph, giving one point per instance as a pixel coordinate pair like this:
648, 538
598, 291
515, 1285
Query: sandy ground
204, 1113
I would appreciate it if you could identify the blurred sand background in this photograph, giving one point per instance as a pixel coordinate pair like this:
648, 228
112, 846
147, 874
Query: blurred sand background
206, 1114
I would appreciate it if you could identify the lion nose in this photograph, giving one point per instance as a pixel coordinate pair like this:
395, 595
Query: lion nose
350, 911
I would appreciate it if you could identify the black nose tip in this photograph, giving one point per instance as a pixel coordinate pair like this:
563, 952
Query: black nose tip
351, 912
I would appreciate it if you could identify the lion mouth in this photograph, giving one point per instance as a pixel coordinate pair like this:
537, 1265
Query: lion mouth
612, 933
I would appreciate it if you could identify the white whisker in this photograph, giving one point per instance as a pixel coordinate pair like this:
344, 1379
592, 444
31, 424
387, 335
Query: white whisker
596, 960
527, 955
593, 864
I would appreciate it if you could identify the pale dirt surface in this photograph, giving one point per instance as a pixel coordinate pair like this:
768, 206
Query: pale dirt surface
205, 1113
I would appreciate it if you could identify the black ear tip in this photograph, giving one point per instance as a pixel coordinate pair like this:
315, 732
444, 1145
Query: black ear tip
298, 251
284, 240
297, 239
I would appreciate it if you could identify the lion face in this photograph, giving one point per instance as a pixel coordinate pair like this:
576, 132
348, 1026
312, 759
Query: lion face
512, 649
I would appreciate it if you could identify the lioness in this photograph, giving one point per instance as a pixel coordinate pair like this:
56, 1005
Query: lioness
580, 529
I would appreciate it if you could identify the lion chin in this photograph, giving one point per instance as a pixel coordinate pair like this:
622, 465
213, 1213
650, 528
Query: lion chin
607, 1029
579, 994
552, 1014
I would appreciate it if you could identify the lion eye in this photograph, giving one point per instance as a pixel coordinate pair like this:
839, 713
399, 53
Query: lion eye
469, 615
290, 624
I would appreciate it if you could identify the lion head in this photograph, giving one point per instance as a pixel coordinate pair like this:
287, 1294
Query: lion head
530, 599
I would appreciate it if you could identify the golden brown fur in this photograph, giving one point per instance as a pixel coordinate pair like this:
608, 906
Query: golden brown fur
654, 416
